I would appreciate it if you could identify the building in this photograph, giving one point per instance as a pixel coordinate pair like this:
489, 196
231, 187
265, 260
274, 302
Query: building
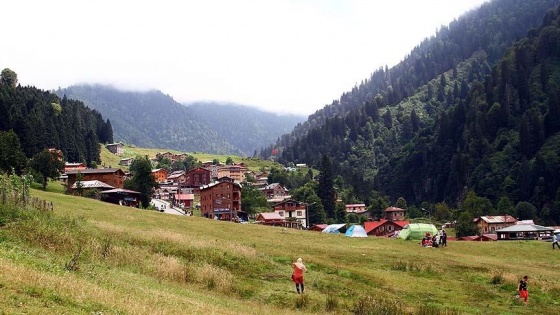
126, 161
291, 210
384, 227
235, 171
394, 214
89, 185
115, 148
74, 166
524, 232
111, 176
182, 200
357, 208
275, 191
197, 177
221, 200
274, 219
160, 175
177, 178
489, 223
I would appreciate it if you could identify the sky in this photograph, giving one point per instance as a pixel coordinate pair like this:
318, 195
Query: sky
283, 56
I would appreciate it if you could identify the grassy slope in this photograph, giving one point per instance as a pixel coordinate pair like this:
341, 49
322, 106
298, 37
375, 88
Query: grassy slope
109, 159
140, 262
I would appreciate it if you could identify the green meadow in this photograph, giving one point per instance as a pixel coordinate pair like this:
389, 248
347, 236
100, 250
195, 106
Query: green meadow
89, 257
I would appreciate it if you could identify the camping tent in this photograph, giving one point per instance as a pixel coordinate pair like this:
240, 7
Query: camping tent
335, 228
356, 231
416, 231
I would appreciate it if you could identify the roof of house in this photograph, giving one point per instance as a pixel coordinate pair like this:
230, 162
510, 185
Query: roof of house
393, 209
524, 228
355, 205
496, 219
120, 191
219, 182
68, 164
184, 197
96, 171
371, 225
270, 216
86, 184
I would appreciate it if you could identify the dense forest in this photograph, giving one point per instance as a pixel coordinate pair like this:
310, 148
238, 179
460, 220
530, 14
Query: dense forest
42, 120
466, 113
152, 119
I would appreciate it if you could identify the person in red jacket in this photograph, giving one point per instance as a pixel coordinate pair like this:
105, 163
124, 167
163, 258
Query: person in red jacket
522, 288
297, 275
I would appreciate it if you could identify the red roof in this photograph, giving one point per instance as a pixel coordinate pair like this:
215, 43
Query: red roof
372, 225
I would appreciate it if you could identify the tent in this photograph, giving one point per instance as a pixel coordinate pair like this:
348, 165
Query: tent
356, 231
416, 231
335, 228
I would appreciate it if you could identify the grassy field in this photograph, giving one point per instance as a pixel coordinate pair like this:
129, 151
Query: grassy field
89, 257
109, 159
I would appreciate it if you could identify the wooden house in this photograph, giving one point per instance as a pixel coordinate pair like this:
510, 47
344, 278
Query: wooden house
384, 227
394, 214
221, 200
160, 175
489, 223
111, 176
115, 148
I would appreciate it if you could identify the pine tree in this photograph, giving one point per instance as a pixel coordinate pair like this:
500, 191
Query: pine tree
325, 190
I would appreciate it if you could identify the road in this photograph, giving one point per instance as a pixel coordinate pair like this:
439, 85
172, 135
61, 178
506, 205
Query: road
166, 206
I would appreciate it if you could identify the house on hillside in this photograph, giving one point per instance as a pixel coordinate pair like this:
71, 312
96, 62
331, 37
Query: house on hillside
74, 167
197, 177
235, 171
489, 223
274, 219
126, 161
120, 196
221, 200
274, 191
292, 210
394, 214
357, 208
384, 227
89, 185
177, 178
160, 175
115, 148
112, 176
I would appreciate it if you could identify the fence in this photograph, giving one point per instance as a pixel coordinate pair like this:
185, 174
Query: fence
15, 191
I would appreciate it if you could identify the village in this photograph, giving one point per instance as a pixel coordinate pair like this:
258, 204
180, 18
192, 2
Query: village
218, 189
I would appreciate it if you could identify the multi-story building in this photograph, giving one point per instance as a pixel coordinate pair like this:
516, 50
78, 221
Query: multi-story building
221, 200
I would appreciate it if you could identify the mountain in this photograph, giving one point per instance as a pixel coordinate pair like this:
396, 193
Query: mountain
155, 120
244, 127
440, 125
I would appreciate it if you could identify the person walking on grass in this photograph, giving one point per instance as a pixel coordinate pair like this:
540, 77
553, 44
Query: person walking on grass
522, 289
555, 240
297, 275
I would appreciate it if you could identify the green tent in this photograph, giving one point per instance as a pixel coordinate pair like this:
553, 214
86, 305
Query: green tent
416, 231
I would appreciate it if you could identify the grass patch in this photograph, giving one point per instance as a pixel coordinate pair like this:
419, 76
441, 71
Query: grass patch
88, 256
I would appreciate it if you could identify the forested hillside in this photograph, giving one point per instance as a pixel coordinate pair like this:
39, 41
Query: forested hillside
456, 115
155, 120
247, 128
42, 120
151, 119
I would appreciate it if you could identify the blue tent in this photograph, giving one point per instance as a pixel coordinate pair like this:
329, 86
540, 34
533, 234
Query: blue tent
356, 231
334, 228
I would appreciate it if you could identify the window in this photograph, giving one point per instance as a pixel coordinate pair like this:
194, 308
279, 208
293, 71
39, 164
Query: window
299, 213
281, 213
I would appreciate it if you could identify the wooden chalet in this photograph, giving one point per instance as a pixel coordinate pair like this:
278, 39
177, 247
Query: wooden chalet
74, 167
197, 177
115, 148
221, 200
235, 171
489, 223
384, 227
357, 208
125, 161
394, 214
274, 219
177, 177
160, 175
274, 191
111, 176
